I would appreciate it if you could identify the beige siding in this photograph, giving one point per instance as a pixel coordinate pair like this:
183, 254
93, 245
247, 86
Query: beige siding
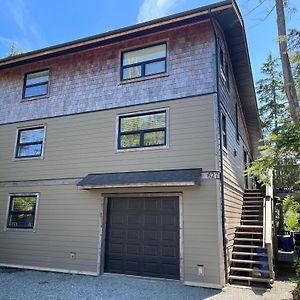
85, 143
233, 156
68, 221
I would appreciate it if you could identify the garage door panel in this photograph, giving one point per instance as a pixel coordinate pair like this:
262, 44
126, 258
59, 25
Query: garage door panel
143, 237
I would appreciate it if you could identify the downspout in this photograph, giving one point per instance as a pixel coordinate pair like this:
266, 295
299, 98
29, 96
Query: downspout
220, 144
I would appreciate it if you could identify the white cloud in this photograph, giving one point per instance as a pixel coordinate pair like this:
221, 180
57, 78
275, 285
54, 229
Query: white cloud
152, 9
30, 37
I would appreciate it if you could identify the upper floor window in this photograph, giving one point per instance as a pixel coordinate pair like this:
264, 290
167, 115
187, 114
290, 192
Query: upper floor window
22, 211
144, 62
237, 130
143, 130
30, 142
36, 84
224, 131
222, 60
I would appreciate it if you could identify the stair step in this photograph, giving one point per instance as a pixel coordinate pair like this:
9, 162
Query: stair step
249, 232
250, 226
251, 206
251, 221
248, 278
253, 197
247, 261
247, 246
252, 216
253, 201
248, 239
249, 254
249, 269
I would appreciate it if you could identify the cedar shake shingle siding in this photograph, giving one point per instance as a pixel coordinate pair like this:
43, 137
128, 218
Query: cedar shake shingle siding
90, 80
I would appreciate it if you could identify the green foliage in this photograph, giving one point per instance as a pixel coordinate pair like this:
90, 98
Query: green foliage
297, 271
281, 153
291, 213
14, 50
281, 150
270, 91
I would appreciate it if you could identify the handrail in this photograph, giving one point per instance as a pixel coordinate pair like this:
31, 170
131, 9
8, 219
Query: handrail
268, 222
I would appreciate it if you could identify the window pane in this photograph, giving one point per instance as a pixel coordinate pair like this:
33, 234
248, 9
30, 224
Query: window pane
21, 220
154, 138
29, 150
23, 203
37, 77
132, 72
130, 141
38, 90
31, 135
143, 122
146, 54
155, 67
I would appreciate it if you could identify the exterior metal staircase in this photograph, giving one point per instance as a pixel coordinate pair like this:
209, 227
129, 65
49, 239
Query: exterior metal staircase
252, 256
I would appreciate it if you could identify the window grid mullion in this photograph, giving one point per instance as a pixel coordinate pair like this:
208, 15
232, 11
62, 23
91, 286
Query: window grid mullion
29, 144
35, 84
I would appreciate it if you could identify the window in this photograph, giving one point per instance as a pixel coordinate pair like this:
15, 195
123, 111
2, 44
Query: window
30, 142
222, 59
22, 211
142, 130
227, 76
224, 131
237, 133
144, 62
36, 84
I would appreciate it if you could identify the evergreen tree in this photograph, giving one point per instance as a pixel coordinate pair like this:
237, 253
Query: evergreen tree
270, 91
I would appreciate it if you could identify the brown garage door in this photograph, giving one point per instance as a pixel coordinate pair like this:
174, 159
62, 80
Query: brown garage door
143, 237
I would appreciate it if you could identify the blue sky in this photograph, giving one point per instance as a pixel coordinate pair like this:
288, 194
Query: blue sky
35, 24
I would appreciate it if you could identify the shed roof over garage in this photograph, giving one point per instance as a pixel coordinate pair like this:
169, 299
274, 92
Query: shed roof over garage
181, 177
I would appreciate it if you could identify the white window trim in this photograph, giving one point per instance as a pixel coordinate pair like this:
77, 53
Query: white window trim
15, 158
37, 195
164, 147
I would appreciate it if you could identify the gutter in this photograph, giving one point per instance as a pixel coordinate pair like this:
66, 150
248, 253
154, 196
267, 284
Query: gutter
220, 145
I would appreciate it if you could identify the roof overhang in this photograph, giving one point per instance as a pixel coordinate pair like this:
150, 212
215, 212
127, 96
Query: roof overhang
227, 15
157, 178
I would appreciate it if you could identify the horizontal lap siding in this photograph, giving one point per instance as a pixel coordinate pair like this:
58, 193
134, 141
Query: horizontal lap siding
233, 165
201, 234
82, 144
51, 244
59, 230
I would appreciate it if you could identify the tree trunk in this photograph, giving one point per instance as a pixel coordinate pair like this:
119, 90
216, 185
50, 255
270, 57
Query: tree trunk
289, 85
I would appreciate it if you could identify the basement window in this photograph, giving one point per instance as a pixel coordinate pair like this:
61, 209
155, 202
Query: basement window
30, 142
22, 211
142, 130
144, 62
36, 84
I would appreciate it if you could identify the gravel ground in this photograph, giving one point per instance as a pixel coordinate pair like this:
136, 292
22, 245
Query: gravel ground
20, 284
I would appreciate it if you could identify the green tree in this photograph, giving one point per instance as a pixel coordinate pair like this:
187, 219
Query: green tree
14, 50
270, 91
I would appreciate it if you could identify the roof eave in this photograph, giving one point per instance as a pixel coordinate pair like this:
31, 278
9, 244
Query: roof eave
111, 36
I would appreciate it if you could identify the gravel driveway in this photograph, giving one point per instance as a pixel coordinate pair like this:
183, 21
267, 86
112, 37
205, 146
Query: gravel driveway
21, 284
